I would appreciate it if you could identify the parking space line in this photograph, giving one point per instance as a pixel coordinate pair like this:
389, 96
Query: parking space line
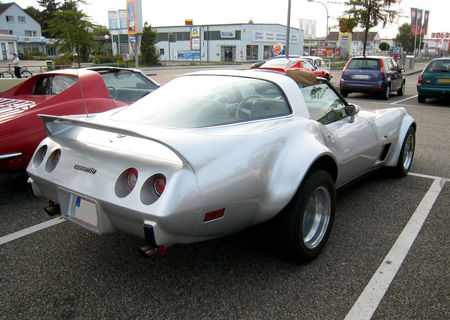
426, 176
378, 285
30, 230
412, 97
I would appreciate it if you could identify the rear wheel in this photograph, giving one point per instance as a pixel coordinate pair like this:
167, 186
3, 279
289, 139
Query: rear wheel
421, 98
26, 74
401, 91
6, 74
406, 154
305, 224
387, 93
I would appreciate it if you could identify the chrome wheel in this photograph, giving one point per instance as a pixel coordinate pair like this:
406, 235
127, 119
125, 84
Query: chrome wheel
316, 217
408, 151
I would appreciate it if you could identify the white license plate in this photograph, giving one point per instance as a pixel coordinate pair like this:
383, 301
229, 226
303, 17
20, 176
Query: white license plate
362, 76
86, 212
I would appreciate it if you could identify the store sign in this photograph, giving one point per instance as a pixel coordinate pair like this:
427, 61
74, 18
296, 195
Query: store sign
228, 34
195, 38
113, 20
267, 36
188, 55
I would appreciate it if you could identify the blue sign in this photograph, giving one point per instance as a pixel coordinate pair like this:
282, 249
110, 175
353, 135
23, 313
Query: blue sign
188, 55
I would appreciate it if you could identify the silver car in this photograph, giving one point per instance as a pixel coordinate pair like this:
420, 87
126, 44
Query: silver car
212, 153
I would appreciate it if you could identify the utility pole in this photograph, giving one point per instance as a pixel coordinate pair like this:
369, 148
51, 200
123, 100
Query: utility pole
288, 31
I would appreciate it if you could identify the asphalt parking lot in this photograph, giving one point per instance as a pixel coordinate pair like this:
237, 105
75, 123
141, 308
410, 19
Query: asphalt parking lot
387, 256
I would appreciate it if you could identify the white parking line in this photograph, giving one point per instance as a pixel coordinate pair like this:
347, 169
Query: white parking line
404, 99
30, 230
375, 290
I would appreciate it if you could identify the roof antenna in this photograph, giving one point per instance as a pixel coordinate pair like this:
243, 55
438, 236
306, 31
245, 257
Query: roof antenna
82, 95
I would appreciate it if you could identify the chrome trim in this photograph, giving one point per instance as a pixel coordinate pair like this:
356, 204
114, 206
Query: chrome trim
10, 155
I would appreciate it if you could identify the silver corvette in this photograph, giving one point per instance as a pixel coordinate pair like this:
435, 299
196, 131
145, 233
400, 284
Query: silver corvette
212, 153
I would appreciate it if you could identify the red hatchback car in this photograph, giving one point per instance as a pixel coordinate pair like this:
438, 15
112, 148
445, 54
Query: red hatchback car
62, 92
281, 64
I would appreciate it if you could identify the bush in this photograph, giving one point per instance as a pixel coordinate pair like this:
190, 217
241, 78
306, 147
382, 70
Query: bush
102, 59
62, 62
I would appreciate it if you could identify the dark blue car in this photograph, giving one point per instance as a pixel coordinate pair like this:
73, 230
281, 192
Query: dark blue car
372, 75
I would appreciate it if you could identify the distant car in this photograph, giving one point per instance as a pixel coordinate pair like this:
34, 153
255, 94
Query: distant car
318, 62
283, 64
215, 152
434, 81
61, 92
372, 75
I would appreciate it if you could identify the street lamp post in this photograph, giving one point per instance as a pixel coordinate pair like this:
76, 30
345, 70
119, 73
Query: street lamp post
288, 30
326, 34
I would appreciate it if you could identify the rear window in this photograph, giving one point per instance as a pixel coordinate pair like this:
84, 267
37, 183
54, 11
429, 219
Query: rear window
367, 64
438, 66
53, 84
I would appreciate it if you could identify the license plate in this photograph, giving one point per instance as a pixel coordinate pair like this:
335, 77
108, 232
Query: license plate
362, 76
444, 81
86, 212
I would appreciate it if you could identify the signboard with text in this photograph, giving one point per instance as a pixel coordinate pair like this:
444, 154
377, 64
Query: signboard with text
134, 16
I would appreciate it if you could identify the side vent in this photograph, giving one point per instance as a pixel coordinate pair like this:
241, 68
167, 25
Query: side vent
384, 152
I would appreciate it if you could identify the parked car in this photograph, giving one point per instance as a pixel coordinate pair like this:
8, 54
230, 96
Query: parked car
372, 75
61, 92
217, 152
434, 81
283, 64
318, 62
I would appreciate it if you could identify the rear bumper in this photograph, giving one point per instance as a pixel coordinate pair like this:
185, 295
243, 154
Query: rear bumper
433, 91
355, 86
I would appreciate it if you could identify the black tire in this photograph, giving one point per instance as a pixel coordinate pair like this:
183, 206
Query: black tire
6, 74
387, 93
421, 98
26, 74
406, 154
344, 93
300, 236
401, 91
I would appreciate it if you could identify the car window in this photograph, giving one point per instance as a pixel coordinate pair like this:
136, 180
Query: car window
324, 105
53, 84
280, 62
307, 65
438, 66
201, 101
370, 64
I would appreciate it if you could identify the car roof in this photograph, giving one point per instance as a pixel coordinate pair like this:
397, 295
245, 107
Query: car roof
370, 57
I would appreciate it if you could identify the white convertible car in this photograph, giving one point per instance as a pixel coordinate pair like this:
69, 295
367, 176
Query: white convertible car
212, 153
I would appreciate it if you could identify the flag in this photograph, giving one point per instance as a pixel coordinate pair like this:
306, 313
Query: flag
419, 21
413, 20
425, 22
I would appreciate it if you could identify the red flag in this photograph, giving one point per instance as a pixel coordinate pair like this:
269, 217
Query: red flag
425, 22
413, 20
419, 21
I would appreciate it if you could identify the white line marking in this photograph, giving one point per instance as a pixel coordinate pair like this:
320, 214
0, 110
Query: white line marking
404, 99
30, 230
426, 176
375, 290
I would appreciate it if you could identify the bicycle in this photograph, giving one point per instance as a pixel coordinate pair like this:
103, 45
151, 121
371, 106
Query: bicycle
24, 73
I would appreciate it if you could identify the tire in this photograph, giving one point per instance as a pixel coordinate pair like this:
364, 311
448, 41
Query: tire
421, 98
401, 91
406, 154
26, 74
387, 93
305, 224
6, 74
344, 93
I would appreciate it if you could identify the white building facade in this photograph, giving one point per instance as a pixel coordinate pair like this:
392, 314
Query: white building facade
226, 42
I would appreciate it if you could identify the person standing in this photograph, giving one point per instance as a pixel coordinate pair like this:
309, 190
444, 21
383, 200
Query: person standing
16, 64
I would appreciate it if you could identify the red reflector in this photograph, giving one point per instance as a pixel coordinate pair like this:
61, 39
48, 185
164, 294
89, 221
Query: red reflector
214, 215
16, 160
159, 184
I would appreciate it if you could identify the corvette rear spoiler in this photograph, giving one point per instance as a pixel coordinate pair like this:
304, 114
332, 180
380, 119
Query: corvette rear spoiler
57, 124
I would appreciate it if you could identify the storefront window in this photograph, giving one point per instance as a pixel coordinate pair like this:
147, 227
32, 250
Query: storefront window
267, 52
252, 52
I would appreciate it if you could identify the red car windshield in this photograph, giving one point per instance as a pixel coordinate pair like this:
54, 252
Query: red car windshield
279, 63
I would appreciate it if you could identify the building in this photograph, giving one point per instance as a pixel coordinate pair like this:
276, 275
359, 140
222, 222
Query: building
357, 42
225, 42
438, 44
25, 32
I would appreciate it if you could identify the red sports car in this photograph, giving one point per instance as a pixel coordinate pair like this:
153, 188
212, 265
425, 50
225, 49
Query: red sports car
281, 64
61, 92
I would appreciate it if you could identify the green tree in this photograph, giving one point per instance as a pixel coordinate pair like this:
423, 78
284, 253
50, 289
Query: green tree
148, 54
406, 38
73, 31
34, 13
384, 46
370, 13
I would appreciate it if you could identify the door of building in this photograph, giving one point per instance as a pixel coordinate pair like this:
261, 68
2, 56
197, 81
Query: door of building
228, 54
5, 57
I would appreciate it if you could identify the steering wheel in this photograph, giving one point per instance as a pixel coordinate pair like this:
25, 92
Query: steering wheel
244, 107
112, 92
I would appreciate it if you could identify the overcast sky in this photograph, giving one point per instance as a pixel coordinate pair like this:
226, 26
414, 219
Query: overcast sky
173, 12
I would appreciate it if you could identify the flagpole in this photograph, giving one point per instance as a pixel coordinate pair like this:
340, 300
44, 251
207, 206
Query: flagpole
415, 33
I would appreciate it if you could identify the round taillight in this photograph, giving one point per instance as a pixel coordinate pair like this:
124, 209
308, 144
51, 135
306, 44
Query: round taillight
53, 160
159, 184
131, 178
56, 156
39, 156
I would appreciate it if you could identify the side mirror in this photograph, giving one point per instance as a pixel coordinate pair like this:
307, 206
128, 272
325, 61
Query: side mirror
352, 109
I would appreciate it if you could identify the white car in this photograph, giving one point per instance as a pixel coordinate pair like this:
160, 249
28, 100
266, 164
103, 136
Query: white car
212, 153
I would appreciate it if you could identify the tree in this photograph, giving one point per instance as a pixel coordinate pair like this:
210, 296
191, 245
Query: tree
34, 13
148, 54
405, 37
73, 31
384, 46
369, 13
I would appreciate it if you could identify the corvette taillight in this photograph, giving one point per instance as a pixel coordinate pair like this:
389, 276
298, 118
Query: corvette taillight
39, 156
53, 160
420, 80
131, 178
159, 184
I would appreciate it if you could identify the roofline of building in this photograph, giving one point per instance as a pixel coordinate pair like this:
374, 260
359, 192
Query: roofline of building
226, 24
